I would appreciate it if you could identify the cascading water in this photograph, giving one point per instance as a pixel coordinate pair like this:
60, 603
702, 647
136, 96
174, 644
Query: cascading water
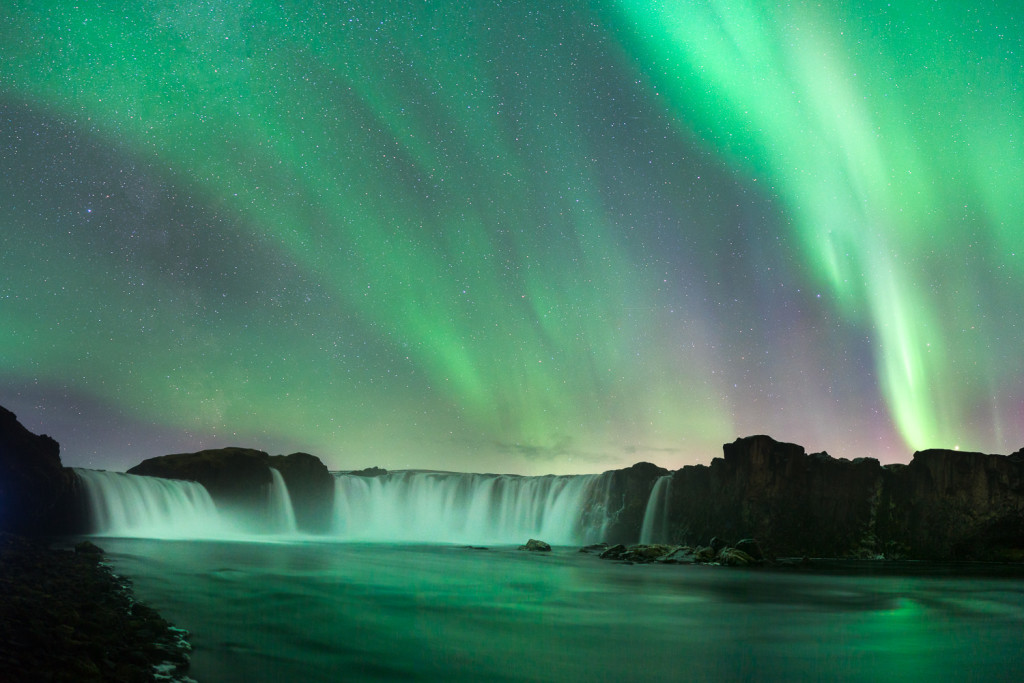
428, 507
281, 511
149, 507
449, 507
654, 528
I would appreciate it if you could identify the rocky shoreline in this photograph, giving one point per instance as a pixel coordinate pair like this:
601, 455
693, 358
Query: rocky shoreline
65, 616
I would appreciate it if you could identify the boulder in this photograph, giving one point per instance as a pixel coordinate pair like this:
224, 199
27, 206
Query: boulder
705, 554
680, 555
648, 553
614, 552
535, 545
750, 547
734, 557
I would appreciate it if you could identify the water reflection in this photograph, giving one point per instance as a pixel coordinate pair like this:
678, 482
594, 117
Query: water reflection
323, 611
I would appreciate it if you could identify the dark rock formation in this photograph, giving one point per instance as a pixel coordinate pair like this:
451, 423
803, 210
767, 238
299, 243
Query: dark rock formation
668, 554
956, 505
626, 499
34, 486
795, 503
239, 477
370, 472
944, 505
534, 544
594, 548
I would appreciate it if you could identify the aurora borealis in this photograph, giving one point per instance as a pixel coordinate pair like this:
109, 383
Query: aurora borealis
512, 237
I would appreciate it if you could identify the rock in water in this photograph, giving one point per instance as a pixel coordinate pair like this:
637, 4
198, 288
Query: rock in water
534, 544
614, 552
734, 557
751, 547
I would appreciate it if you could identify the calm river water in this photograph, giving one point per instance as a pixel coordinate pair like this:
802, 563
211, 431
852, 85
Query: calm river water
321, 611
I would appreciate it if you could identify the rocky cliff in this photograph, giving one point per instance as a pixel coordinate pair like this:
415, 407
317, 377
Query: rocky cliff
956, 505
795, 503
944, 505
34, 486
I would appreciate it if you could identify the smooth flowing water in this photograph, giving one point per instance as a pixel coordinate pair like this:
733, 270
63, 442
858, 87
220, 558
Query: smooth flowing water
327, 611
653, 529
455, 507
130, 505
423, 507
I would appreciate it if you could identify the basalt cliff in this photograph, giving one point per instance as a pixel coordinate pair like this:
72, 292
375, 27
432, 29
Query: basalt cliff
943, 505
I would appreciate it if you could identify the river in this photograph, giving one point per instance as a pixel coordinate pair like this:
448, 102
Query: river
316, 610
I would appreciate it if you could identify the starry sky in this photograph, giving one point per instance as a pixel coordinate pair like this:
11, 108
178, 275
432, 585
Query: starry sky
522, 237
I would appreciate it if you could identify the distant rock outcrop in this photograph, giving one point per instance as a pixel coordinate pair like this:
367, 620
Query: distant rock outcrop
34, 486
240, 477
369, 472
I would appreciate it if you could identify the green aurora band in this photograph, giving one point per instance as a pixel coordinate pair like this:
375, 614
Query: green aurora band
471, 236
892, 135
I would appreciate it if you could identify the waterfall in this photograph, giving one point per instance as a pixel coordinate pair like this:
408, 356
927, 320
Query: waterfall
281, 511
654, 529
450, 507
149, 507
426, 507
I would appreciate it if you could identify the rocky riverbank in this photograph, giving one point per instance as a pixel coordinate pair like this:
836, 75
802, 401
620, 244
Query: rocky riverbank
64, 616
745, 553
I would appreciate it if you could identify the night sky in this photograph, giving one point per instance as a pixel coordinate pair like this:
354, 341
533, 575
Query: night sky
522, 237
